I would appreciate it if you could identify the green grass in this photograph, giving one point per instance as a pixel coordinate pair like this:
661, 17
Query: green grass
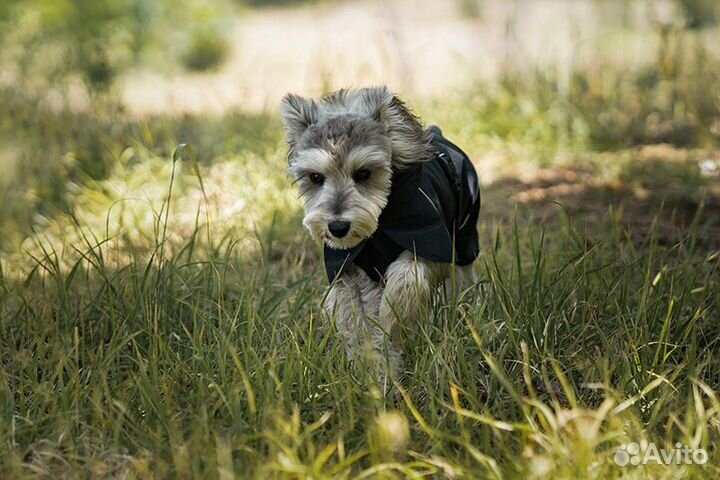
205, 357
160, 313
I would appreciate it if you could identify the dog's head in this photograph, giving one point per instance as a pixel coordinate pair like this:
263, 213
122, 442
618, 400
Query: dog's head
343, 149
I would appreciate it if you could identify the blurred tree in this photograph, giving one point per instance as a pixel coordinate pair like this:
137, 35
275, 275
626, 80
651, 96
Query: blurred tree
92, 37
208, 48
98, 39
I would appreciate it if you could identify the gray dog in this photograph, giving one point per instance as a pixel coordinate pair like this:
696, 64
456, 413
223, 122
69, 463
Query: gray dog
395, 204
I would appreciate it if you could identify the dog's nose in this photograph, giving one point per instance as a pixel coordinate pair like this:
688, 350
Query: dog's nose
339, 228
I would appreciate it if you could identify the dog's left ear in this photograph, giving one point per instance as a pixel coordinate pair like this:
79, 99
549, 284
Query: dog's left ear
374, 101
297, 114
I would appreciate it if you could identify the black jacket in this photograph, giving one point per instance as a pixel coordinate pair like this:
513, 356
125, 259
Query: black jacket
431, 204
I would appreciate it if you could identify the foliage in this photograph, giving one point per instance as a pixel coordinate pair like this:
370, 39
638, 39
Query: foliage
606, 108
207, 50
100, 40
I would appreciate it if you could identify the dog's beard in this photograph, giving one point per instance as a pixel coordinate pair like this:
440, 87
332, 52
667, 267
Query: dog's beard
363, 215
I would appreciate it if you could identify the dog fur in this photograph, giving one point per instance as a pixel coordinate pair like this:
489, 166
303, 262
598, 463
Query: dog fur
331, 140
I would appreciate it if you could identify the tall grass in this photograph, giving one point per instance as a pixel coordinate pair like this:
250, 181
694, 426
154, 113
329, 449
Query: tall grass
205, 361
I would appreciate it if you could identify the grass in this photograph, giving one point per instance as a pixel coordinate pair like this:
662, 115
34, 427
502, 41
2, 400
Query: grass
201, 358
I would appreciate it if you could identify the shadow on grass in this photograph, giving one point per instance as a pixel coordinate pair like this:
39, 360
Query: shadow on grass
658, 189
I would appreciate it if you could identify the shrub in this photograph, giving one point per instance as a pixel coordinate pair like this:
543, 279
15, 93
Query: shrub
208, 49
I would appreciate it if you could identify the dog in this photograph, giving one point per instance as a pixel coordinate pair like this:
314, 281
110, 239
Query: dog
395, 204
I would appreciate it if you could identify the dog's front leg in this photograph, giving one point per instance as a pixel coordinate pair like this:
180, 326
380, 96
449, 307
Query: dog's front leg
353, 302
409, 283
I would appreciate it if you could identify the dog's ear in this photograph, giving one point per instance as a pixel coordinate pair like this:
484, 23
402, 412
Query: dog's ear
297, 114
374, 101
410, 142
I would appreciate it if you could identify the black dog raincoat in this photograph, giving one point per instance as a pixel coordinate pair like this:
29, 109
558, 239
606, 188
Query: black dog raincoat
432, 211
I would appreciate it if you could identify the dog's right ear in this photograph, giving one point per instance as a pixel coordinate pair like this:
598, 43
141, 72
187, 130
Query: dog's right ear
297, 113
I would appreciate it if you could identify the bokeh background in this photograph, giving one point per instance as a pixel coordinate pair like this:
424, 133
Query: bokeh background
586, 102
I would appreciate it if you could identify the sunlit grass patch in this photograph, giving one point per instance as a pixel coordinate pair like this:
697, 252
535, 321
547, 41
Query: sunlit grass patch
236, 198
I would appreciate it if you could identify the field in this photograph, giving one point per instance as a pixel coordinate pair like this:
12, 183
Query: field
160, 301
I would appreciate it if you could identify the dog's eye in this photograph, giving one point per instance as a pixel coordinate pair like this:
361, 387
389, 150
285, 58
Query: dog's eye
316, 178
362, 175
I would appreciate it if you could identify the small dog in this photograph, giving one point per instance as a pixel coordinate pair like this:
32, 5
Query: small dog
395, 204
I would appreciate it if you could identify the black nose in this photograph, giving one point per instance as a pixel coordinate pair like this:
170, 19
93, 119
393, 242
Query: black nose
339, 228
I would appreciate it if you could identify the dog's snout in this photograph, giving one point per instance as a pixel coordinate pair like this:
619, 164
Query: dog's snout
339, 228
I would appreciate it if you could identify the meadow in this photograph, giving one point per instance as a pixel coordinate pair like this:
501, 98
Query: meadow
160, 302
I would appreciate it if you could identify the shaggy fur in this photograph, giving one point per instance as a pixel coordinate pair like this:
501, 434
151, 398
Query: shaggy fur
342, 152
